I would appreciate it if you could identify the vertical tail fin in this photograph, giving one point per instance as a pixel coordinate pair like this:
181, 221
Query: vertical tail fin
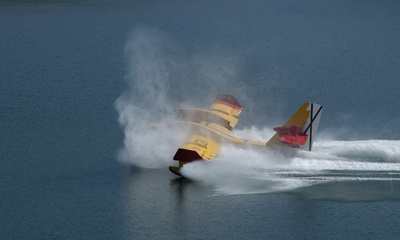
300, 130
311, 126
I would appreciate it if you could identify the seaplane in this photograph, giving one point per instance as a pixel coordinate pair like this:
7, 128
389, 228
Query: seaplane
210, 128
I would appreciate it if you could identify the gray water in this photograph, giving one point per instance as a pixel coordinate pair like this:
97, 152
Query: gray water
81, 80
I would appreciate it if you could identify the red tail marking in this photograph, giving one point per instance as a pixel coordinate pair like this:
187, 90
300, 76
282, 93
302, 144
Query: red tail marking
293, 136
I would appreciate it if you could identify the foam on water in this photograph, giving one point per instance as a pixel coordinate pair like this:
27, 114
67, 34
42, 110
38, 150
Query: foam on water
244, 171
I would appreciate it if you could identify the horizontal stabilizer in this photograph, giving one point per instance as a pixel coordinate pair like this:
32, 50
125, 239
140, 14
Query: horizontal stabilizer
292, 130
293, 136
300, 129
294, 141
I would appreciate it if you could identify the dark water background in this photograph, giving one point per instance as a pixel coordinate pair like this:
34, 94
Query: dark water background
62, 67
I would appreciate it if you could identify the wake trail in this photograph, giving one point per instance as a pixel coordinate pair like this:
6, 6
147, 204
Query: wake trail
244, 171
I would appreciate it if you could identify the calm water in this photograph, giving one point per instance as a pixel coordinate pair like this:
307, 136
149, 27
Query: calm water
71, 71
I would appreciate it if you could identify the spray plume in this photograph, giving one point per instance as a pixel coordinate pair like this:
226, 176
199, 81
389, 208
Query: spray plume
146, 101
156, 78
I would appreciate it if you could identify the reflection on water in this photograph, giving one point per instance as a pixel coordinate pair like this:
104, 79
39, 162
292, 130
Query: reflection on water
368, 190
156, 198
157, 204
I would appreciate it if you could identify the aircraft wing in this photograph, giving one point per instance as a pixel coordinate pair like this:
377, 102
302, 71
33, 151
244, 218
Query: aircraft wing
221, 116
210, 127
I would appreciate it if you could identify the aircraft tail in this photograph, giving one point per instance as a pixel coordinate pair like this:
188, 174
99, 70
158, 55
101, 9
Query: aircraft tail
300, 130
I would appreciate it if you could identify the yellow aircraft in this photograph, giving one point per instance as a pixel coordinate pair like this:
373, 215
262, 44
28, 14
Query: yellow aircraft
212, 127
